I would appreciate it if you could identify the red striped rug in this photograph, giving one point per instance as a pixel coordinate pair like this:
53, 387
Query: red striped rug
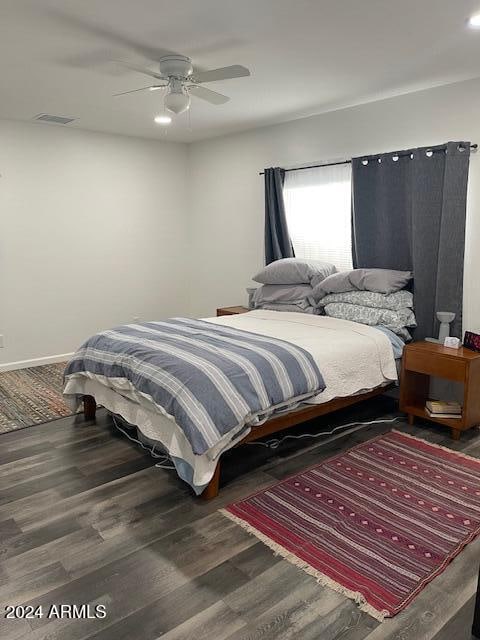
376, 523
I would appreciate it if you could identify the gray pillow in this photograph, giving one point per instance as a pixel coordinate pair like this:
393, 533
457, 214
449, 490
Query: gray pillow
336, 283
297, 308
285, 297
282, 293
380, 280
294, 271
376, 280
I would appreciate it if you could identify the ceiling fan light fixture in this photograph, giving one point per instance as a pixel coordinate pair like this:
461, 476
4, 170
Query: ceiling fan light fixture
177, 102
163, 119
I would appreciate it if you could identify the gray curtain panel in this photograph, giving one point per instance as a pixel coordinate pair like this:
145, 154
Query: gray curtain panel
408, 213
277, 240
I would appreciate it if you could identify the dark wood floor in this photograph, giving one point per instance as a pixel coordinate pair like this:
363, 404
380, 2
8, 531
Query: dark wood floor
85, 517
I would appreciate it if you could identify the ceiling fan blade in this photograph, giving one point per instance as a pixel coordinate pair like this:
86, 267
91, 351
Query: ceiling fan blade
75, 24
139, 69
155, 86
224, 73
207, 94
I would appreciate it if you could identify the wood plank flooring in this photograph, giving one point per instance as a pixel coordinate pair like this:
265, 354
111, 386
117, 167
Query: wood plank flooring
86, 518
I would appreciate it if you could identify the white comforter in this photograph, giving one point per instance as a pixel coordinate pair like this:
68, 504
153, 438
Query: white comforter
351, 357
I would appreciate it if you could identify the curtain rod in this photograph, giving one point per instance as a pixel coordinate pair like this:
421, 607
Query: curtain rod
473, 147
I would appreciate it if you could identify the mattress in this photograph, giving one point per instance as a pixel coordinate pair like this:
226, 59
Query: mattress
352, 358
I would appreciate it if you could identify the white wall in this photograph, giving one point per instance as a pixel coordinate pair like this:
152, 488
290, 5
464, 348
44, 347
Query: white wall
97, 229
227, 193
93, 232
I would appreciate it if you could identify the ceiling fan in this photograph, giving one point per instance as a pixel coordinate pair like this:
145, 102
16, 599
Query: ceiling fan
177, 75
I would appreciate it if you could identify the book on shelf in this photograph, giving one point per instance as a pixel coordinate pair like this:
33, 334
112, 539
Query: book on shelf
432, 414
442, 406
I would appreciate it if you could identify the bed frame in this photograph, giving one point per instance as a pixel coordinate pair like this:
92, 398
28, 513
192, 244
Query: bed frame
275, 424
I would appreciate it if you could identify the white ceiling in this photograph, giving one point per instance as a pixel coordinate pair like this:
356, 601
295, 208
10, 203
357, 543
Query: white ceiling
305, 57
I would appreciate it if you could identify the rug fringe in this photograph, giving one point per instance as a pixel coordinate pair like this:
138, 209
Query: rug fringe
437, 446
320, 577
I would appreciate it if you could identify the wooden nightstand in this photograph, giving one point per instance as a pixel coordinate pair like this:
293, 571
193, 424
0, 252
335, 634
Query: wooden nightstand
424, 359
231, 311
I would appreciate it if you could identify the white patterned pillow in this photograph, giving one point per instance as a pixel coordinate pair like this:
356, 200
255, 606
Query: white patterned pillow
396, 321
393, 301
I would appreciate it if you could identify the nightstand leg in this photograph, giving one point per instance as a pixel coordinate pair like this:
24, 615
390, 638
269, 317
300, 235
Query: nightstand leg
411, 418
456, 433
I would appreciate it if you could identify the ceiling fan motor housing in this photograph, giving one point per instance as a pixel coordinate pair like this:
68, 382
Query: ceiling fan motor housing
176, 66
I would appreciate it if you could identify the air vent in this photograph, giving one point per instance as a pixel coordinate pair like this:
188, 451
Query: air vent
46, 117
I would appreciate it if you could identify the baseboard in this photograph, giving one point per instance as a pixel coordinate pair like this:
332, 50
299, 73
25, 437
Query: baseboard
35, 362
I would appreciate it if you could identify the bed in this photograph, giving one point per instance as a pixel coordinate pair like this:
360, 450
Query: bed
355, 362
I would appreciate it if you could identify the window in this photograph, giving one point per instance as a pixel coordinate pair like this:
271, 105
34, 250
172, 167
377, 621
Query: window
318, 209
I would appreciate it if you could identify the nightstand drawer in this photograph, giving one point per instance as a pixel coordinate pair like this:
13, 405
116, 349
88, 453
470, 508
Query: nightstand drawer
439, 365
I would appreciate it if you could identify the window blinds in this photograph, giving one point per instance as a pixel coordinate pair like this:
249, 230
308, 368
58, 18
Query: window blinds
318, 209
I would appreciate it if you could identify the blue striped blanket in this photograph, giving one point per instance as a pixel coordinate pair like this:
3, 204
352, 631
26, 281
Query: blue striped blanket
210, 378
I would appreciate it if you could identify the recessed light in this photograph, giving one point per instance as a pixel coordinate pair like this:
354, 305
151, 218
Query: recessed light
474, 21
164, 119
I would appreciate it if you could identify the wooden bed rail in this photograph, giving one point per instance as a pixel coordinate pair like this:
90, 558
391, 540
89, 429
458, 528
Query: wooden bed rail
287, 420
275, 424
